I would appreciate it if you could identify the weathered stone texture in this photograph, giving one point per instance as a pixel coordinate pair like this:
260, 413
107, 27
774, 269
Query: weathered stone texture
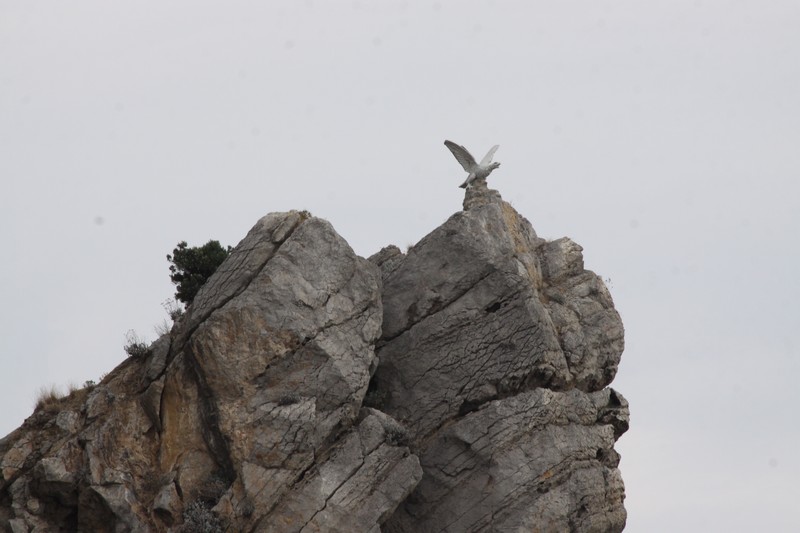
495, 346
538, 461
267, 409
254, 395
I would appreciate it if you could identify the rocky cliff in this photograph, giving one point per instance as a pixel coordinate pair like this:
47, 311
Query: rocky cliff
462, 386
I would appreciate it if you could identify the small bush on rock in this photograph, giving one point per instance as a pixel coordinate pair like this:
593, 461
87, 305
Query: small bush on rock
134, 345
199, 518
191, 267
173, 308
163, 328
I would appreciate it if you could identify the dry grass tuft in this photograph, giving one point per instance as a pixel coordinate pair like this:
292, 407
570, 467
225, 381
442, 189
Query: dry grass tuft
163, 328
51, 399
48, 398
136, 346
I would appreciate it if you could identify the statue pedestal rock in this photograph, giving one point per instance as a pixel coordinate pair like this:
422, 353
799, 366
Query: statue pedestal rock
479, 194
496, 353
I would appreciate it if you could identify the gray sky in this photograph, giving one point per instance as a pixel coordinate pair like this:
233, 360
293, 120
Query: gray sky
662, 136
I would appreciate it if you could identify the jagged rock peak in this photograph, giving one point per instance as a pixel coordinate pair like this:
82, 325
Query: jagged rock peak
461, 386
496, 350
247, 416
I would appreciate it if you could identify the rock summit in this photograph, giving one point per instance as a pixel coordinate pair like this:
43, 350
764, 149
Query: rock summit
462, 386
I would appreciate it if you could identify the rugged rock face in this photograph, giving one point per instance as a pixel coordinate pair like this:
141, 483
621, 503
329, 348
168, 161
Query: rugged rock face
495, 352
267, 409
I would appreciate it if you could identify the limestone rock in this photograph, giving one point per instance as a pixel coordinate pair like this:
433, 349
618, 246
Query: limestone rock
356, 489
538, 461
266, 408
284, 351
168, 505
496, 349
580, 306
387, 259
247, 413
157, 360
464, 320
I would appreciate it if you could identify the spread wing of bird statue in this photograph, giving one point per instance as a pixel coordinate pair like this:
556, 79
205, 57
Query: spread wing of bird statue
476, 170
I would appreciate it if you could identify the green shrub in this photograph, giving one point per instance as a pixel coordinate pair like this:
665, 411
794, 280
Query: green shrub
191, 267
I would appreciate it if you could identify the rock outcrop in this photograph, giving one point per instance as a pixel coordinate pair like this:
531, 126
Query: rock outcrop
495, 352
462, 386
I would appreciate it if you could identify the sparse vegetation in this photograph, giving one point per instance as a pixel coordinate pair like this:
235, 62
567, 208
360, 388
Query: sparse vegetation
174, 311
163, 328
191, 267
173, 308
48, 398
135, 346
51, 399
199, 518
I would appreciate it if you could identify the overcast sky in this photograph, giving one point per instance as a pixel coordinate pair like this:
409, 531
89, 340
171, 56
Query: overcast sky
662, 136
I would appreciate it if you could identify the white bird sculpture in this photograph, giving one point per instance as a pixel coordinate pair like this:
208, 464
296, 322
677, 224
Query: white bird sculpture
476, 170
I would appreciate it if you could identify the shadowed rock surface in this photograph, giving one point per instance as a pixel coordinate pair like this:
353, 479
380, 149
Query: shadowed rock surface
267, 409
